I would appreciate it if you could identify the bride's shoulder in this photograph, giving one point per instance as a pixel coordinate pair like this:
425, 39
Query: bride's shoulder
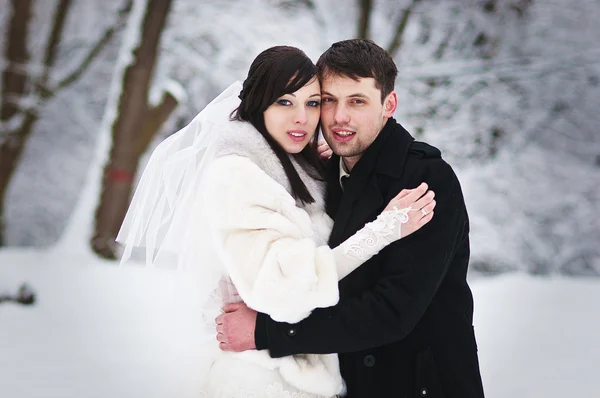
237, 173
241, 138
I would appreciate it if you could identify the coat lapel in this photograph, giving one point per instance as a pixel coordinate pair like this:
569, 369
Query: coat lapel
358, 196
365, 207
362, 198
333, 192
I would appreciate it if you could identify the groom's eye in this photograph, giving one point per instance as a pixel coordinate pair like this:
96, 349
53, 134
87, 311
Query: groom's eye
327, 99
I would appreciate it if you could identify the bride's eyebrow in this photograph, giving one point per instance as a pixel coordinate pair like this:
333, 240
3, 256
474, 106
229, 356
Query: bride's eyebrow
312, 95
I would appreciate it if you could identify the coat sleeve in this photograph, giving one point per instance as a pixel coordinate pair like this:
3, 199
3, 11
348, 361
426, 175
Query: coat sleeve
412, 269
266, 242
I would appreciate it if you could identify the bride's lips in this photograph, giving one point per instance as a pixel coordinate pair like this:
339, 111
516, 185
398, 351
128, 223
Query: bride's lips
297, 135
343, 134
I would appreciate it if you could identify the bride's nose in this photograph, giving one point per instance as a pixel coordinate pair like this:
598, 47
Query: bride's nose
300, 117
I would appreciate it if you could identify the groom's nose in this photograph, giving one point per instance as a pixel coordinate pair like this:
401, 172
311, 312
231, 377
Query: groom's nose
341, 116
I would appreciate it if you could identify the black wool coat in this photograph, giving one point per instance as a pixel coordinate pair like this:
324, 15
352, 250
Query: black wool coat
403, 325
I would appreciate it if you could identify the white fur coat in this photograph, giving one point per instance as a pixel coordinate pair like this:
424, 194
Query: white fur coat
272, 247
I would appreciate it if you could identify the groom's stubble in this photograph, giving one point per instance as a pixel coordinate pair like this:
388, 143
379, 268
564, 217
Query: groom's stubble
353, 115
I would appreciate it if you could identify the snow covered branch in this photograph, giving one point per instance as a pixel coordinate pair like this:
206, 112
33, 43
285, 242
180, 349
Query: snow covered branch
97, 48
396, 42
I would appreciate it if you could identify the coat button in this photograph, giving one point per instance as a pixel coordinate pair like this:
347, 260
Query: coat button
291, 332
423, 392
369, 361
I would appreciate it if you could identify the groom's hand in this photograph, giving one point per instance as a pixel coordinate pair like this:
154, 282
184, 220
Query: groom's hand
235, 328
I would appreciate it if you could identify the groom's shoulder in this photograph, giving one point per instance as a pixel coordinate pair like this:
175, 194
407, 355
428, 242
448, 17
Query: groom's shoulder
425, 158
403, 142
423, 150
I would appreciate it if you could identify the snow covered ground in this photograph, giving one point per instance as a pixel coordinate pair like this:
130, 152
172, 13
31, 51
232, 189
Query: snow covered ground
102, 331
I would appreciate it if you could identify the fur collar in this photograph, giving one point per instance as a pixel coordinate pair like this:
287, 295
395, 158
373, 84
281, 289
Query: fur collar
241, 138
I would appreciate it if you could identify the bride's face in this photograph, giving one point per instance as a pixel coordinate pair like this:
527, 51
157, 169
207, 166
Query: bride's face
292, 119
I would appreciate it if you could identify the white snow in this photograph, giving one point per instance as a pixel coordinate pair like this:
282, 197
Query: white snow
102, 331
171, 86
538, 336
12, 124
96, 331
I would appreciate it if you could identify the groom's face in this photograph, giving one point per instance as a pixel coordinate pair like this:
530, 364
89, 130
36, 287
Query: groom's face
352, 114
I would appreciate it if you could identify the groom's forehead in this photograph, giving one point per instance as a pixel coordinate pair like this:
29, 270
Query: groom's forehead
342, 83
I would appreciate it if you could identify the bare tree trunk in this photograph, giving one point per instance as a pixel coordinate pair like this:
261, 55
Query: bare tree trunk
396, 42
135, 126
14, 79
366, 6
20, 122
364, 19
14, 142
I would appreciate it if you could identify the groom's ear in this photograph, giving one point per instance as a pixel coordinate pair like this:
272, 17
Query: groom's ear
389, 104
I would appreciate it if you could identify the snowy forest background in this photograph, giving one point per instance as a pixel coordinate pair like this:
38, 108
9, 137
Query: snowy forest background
509, 90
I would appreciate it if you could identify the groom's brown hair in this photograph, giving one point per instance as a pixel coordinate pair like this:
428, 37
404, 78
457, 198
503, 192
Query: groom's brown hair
358, 58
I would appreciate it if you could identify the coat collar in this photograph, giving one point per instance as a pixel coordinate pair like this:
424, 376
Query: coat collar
391, 162
362, 196
378, 158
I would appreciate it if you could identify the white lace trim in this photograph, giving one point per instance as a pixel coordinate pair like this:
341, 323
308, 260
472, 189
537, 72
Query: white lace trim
374, 236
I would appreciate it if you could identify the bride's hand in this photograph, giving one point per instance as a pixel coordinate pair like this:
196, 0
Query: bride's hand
418, 204
324, 150
406, 213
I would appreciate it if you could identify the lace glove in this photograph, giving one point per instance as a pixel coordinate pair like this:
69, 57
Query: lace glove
367, 242
227, 291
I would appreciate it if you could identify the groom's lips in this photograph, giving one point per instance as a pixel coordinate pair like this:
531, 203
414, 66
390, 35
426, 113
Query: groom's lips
343, 134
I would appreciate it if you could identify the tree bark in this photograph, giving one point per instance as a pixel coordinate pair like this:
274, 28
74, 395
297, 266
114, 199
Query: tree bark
396, 42
135, 126
18, 123
14, 84
366, 6
14, 140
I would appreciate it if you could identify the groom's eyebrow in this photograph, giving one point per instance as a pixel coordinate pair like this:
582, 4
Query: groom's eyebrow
355, 95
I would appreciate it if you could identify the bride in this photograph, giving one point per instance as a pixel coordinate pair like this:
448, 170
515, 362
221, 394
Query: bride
237, 196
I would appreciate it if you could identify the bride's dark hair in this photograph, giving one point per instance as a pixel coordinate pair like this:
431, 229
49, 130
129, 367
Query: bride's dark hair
275, 72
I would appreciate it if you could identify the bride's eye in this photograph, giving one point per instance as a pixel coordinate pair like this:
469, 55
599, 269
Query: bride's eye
284, 102
314, 104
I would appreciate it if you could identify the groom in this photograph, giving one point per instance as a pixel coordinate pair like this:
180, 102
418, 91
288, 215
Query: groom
403, 325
